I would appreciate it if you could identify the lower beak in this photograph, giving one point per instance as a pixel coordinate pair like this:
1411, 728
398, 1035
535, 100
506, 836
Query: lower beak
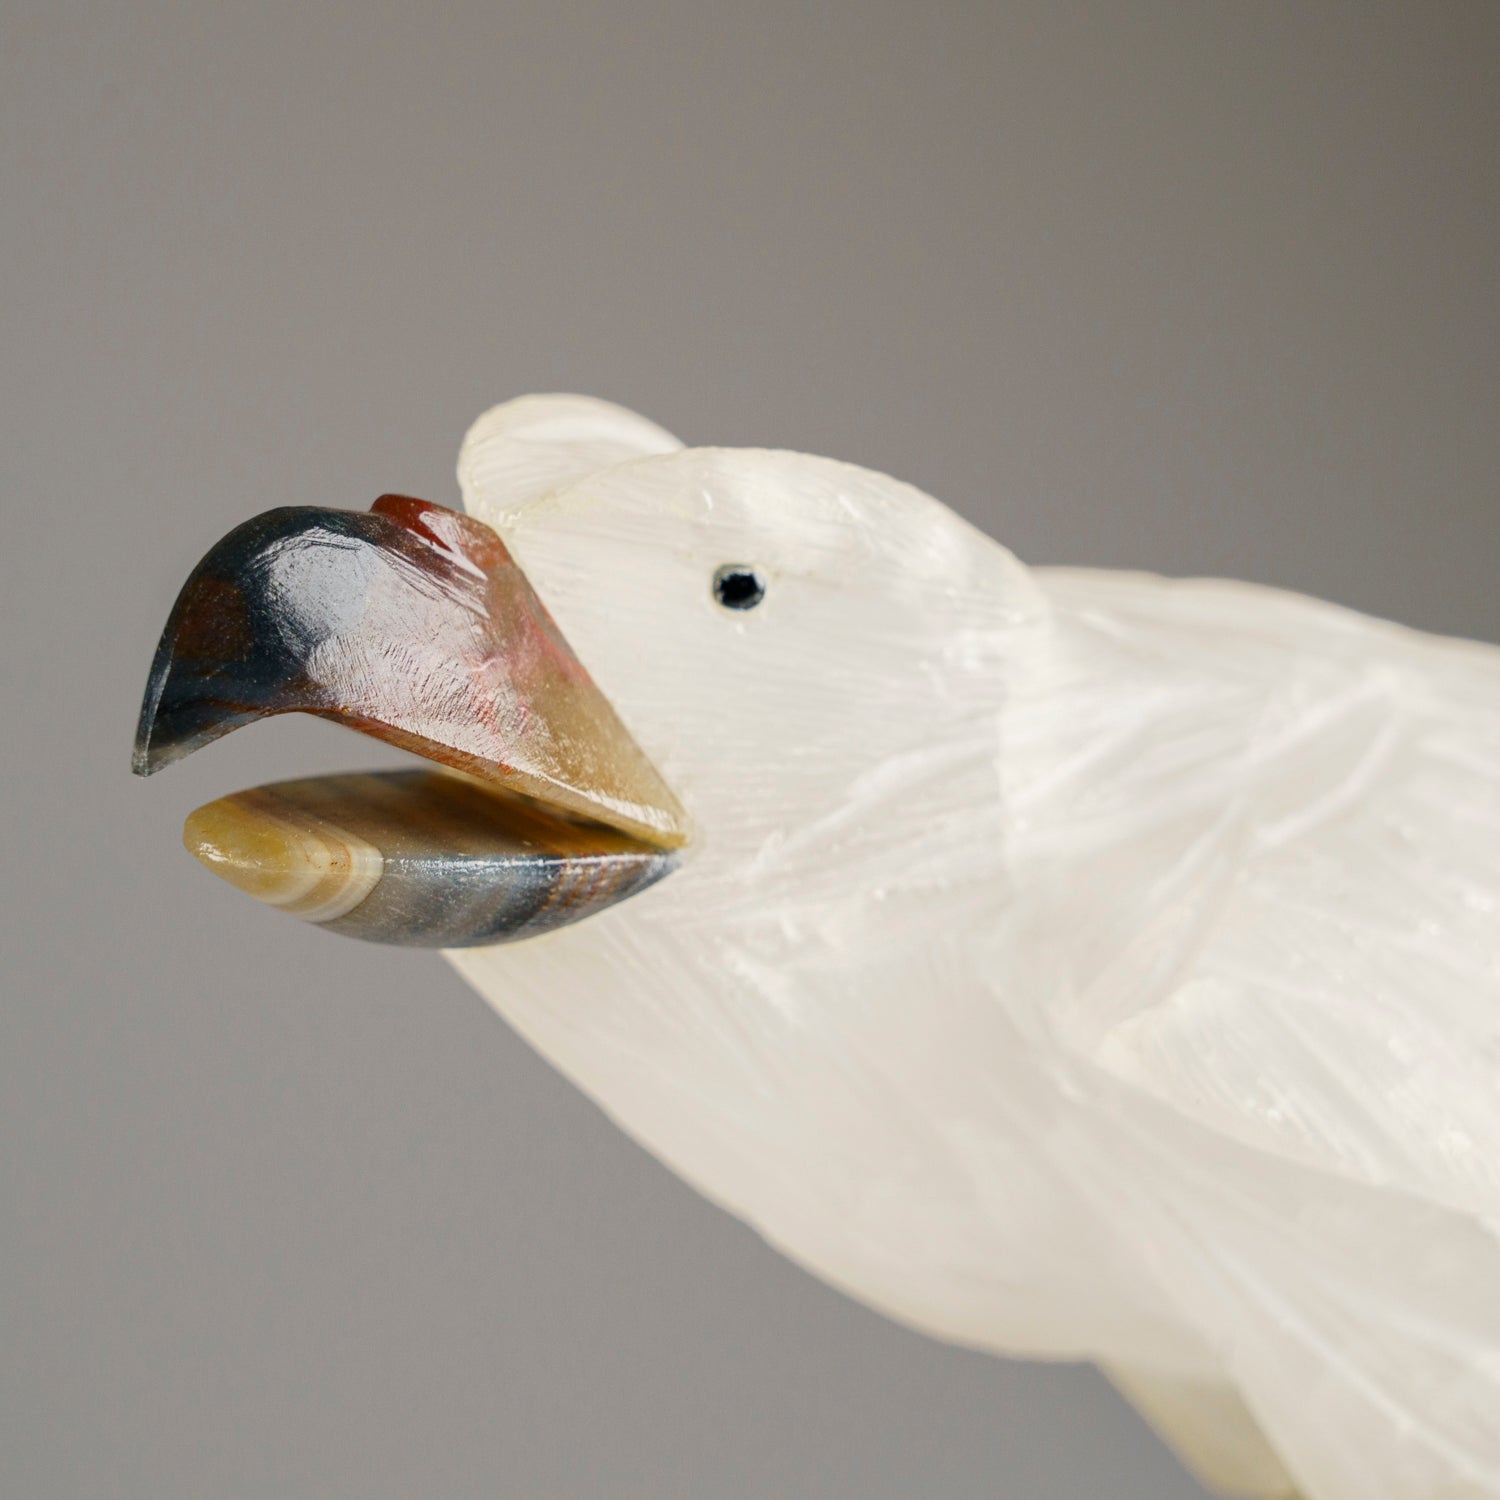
411, 623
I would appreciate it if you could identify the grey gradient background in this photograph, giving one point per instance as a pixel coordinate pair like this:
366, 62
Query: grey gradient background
1195, 288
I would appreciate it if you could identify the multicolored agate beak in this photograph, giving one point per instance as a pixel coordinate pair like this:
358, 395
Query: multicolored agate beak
412, 623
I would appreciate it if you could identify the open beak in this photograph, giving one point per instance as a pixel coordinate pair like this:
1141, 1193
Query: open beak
411, 623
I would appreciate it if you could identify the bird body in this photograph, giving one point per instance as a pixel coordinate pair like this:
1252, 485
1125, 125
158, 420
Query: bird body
1070, 964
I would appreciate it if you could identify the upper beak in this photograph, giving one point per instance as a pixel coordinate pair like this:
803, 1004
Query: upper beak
414, 624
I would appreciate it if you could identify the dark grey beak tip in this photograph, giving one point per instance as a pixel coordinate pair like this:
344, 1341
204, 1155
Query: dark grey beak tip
148, 757
220, 661
160, 737
144, 756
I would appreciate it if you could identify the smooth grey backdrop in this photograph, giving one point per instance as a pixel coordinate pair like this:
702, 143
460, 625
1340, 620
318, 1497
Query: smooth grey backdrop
1188, 287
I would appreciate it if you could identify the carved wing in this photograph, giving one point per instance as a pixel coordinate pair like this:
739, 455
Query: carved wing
1288, 1000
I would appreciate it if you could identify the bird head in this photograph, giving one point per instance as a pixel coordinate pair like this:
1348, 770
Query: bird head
756, 692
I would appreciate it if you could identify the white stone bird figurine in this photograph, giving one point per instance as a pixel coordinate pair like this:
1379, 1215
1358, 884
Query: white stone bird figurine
1070, 964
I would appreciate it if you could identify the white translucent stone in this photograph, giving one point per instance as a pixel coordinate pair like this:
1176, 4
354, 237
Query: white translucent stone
1069, 964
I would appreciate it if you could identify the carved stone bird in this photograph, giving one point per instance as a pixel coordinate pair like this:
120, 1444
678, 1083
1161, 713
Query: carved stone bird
1070, 964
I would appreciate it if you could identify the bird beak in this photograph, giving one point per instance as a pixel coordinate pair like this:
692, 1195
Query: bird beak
412, 623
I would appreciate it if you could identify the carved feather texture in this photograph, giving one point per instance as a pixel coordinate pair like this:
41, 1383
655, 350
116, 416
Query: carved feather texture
1067, 963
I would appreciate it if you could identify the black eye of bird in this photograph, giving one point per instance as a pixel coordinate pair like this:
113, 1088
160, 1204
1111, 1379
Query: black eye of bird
738, 586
